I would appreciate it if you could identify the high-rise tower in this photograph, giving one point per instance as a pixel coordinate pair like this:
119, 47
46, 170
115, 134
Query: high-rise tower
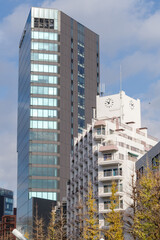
58, 84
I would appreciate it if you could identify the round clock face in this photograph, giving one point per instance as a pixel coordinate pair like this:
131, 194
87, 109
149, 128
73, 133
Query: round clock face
131, 104
109, 102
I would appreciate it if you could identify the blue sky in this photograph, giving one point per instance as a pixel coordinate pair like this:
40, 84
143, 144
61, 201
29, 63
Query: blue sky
129, 35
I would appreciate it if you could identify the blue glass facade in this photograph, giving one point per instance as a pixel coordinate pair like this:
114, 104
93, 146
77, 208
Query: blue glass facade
38, 169
6, 202
81, 78
52, 101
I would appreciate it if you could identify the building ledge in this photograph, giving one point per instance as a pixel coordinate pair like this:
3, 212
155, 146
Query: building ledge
99, 123
108, 148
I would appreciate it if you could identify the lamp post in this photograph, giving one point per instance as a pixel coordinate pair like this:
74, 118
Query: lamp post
18, 235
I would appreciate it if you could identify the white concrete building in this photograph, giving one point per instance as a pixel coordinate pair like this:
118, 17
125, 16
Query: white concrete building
106, 151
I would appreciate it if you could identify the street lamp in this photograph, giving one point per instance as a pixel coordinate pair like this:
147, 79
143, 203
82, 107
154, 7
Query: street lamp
18, 235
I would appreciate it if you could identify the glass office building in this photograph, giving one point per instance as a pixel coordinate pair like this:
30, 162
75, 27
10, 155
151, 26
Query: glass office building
58, 84
6, 202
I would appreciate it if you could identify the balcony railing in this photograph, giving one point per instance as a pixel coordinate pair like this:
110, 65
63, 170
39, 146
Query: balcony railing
109, 147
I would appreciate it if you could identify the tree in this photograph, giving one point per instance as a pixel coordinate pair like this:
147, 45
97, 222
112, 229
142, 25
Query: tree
129, 214
38, 227
60, 223
51, 227
147, 216
91, 226
26, 235
114, 218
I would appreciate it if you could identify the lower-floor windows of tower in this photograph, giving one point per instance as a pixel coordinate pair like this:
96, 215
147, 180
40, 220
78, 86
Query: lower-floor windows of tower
44, 90
43, 147
44, 79
43, 171
43, 159
43, 183
43, 124
44, 46
48, 113
51, 102
44, 68
44, 195
43, 136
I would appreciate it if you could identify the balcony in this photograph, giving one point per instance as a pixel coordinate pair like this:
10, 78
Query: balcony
111, 174
100, 123
107, 210
108, 162
108, 194
110, 178
108, 148
99, 136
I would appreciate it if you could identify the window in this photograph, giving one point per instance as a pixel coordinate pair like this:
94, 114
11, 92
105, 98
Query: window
121, 204
107, 188
44, 195
9, 200
43, 171
44, 23
112, 172
107, 156
80, 60
107, 172
53, 102
115, 172
44, 90
121, 156
81, 123
141, 171
80, 70
132, 156
44, 35
80, 90
43, 183
44, 68
81, 101
80, 50
111, 131
44, 46
81, 112
42, 159
120, 187
107, 204
100, 131
44, 79
43, 147
44, 57
81, 81
47, 113
44, 136
156, 162
43, 124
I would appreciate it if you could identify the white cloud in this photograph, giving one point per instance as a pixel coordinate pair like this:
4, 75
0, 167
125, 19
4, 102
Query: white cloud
151, 109
11, 30
129, 34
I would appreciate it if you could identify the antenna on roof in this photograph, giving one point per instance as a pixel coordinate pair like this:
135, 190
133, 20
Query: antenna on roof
102, 89
120, 78
120, 94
